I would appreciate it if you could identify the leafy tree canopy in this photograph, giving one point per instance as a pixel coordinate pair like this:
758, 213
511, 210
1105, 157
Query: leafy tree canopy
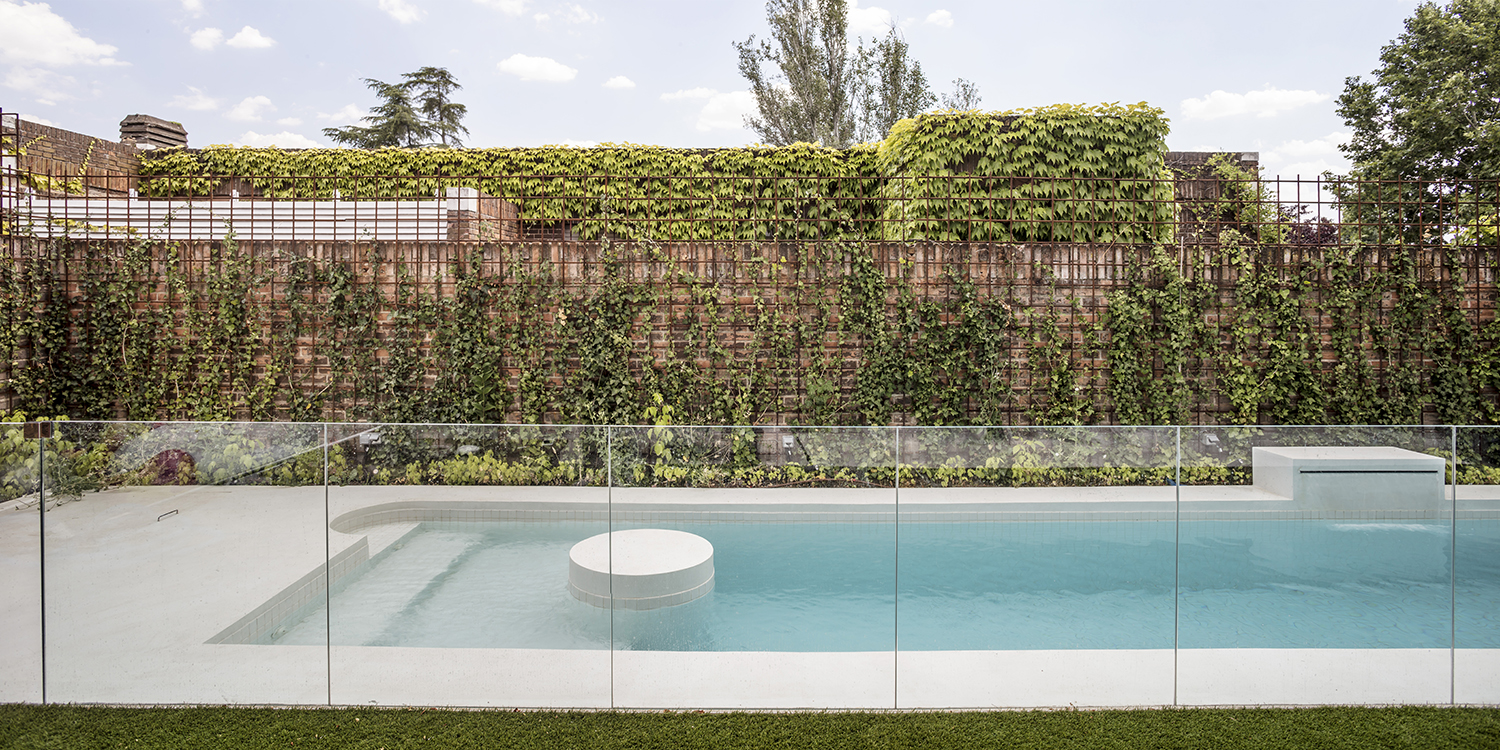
811, 87
891, 86
1433, 108
413, 113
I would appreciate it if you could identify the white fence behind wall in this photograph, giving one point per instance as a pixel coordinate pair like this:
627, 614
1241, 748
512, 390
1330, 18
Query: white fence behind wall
246, 219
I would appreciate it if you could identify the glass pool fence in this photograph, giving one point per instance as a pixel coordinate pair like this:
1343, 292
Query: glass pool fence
748, 567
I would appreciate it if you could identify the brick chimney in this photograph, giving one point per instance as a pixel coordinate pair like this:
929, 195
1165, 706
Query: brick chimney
148, 132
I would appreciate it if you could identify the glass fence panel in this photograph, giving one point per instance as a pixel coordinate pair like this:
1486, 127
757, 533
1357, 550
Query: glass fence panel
1476, 574
752, 567
20, 565
449, 553
1036, 566
169, 553
1315, 565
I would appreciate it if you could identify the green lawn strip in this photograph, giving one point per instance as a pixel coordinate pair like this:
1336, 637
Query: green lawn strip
26, 727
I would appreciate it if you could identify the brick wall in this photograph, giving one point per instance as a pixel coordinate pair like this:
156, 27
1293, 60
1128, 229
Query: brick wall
1067, 284
105, 167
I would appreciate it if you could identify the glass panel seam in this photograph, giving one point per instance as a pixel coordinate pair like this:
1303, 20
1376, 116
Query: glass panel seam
41, 511
1176, 561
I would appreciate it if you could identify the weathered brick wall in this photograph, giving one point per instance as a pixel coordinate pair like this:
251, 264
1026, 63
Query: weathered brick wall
104, 167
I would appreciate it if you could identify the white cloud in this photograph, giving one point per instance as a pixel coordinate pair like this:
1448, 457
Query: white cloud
40, 120
529, 68
250, 38
402, 11
193, 7
698, 93
726, 111
1328, 144
541, 17
721, 111
206, 38
283, 139
1267, 102
31, 33
251, 108
508, 7
619, 82
46, 86
350, 113
577, 14
197, 101
290, 122
868, 22
940, 18
1307, 158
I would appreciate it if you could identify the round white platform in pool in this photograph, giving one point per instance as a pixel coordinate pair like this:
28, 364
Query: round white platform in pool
653, 568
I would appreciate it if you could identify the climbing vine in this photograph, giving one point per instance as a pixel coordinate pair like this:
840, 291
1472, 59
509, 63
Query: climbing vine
1092, 174
745, 286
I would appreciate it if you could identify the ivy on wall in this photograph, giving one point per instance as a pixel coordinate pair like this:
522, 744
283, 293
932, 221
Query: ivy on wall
1092, 174
820, 319
1064, 173
812, 333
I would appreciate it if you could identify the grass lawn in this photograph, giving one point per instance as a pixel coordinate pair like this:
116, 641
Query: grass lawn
75, 727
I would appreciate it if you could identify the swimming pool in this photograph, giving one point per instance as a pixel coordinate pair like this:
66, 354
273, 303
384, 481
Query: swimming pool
1333, 575
831, 587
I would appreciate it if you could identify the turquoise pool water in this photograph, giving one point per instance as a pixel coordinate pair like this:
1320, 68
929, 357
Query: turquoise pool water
954, 586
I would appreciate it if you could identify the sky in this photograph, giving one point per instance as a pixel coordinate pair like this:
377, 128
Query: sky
1260, 77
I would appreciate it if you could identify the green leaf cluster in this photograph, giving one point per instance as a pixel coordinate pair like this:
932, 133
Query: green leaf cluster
1063, 173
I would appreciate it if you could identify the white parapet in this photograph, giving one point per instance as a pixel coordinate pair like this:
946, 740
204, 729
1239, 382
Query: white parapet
1352, 478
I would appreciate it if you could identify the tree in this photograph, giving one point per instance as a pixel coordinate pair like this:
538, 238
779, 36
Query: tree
810, 87
891, 86
410, 114
1433, 108
965, 96
812, 101
444, 118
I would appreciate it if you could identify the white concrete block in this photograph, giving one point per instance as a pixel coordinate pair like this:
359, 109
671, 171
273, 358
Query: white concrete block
1352, 478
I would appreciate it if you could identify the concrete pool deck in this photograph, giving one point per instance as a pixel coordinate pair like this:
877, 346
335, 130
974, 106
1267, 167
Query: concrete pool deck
133, 604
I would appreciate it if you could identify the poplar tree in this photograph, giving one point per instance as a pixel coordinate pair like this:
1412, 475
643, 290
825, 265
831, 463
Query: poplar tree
809, 86
810, 98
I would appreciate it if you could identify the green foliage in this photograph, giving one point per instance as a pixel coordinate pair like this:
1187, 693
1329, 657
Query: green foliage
932, 179
813, 85
71, 467
1429, 114
410, 114
809, 98
822, 333
443, 118
1064, 173
643, 193
1158, 325
814, 320
1430, 111
889, 86
964, 97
